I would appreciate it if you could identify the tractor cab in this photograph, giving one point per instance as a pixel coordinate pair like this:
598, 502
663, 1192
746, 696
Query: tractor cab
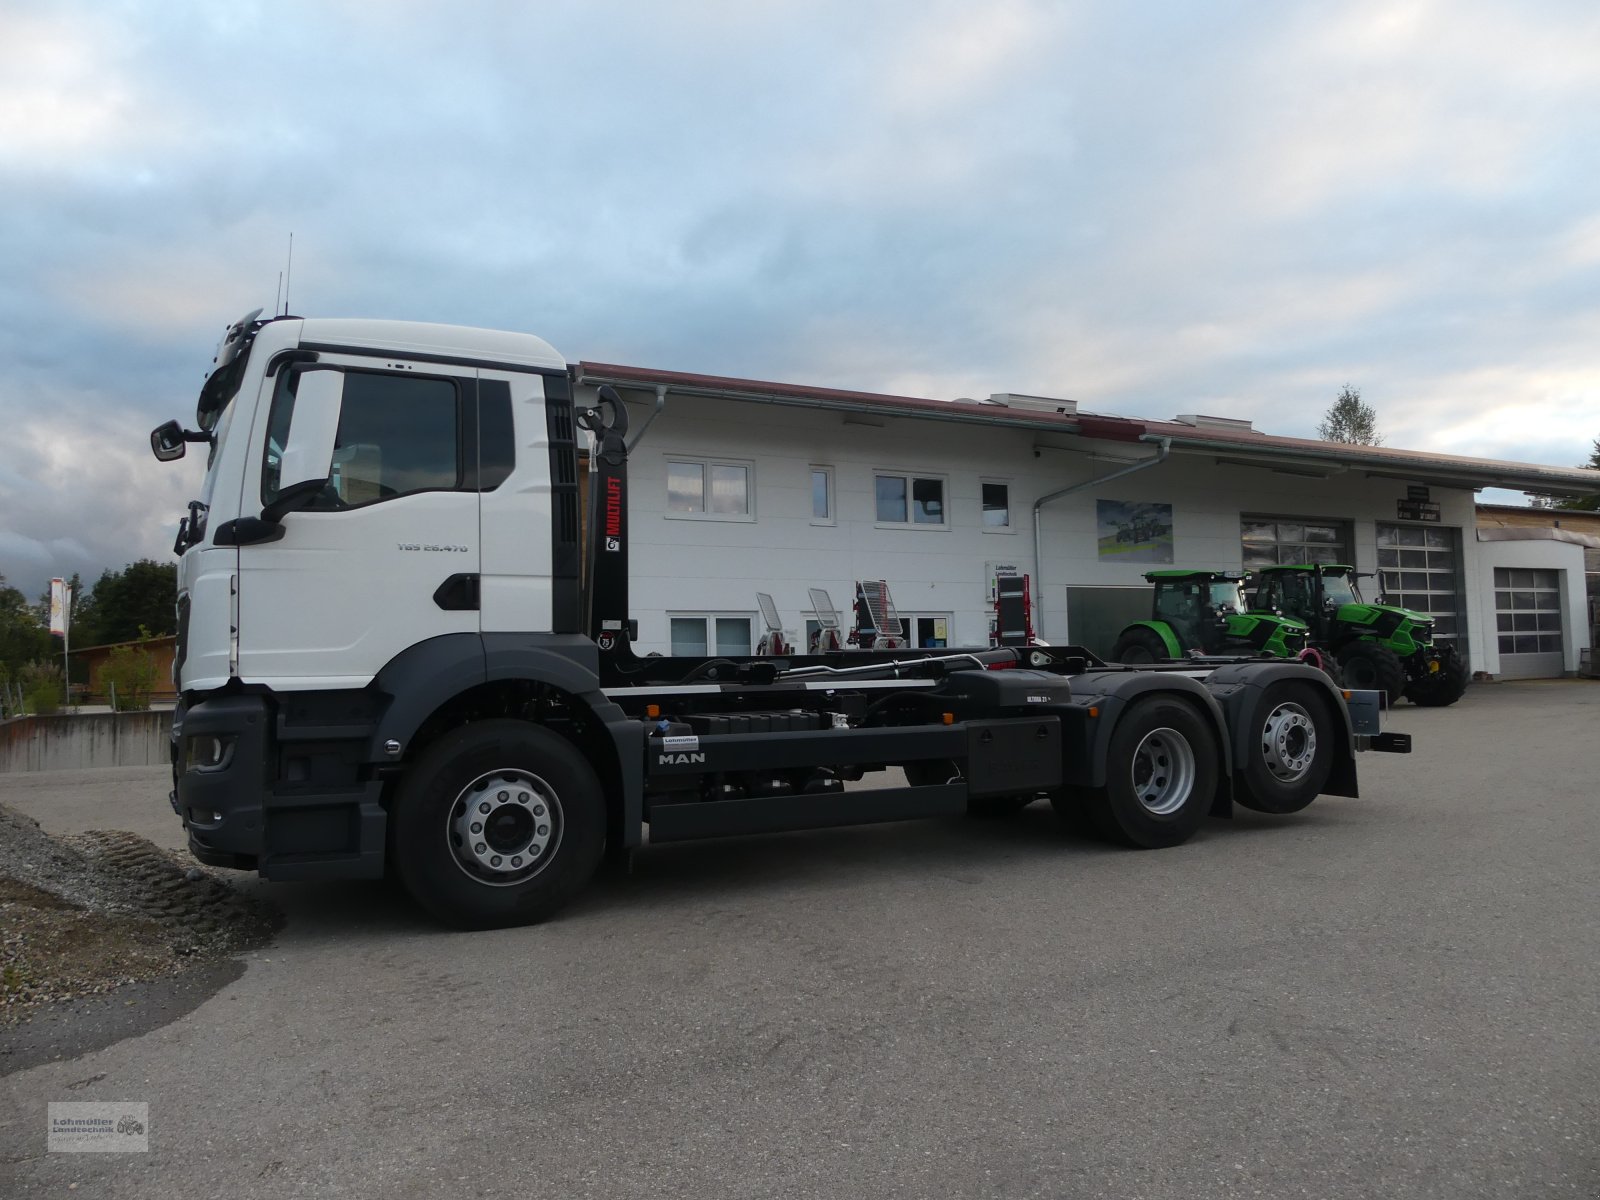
1204, 613
1323, 595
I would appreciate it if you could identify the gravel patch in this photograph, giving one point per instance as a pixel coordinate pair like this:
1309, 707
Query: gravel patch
84, 914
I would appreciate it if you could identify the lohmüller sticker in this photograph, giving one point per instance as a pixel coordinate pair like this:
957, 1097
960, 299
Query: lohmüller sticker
98, 1127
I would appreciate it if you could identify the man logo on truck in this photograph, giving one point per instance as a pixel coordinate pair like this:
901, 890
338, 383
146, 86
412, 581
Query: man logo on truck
680, 759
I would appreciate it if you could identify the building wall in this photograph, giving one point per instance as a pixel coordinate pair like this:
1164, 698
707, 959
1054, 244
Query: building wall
707, 565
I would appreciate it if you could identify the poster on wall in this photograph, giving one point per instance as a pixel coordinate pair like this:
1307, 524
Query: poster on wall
1129, 531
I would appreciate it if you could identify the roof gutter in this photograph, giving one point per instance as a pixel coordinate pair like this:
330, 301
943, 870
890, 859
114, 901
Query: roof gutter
1163, 448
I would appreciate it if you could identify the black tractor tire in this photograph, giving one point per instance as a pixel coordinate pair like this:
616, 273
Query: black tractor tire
1139, 646
524, 770
1161, 775
942, 770
1369, 667
1442, 687
1291, 749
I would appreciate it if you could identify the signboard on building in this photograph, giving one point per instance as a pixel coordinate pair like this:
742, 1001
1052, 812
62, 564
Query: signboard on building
1417, 510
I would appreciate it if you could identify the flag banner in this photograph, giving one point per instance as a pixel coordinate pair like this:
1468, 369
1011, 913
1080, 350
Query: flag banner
60, 605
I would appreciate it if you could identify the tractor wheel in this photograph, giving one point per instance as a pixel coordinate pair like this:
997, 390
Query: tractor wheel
1324, 662
1137, 647
1440, 688
1369, 667
1161, 774
1291, 749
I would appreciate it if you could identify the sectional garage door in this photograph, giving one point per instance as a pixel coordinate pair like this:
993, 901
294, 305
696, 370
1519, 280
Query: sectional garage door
1527, 613
1420, 572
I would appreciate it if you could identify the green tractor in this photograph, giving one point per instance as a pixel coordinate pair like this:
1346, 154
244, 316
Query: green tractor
1203, 612
1380, 647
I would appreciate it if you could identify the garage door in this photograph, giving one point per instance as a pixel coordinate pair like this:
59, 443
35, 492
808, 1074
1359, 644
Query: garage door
1419, 572
1527, 612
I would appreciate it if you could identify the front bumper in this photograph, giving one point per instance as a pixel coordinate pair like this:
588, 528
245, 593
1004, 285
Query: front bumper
222, 805
256, 793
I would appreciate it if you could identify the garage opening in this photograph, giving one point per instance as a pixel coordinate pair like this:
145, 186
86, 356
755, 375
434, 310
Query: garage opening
1421, 571
1527, 614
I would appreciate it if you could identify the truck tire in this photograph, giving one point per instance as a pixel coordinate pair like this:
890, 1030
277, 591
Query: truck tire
1161, 774
1369, 667
1139, 646
1442, 687
1291, 750
498, 823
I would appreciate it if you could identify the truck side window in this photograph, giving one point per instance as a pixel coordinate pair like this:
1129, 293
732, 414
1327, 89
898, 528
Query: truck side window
398, 434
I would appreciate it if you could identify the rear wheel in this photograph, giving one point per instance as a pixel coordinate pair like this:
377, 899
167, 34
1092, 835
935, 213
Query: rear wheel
499, 823
1369, 667
1442, 686
1291, 749
1139, 646
1161, 774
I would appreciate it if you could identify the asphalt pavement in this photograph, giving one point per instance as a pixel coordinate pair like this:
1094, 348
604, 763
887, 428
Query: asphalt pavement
1394, 996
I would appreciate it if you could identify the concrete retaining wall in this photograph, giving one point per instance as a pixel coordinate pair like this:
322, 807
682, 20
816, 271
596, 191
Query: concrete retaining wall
73, 741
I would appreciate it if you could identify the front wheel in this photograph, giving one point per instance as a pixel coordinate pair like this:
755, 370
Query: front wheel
1444, 680
498, 823
1161, 774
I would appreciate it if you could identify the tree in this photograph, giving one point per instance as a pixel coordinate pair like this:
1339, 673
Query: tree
1350, 420
22, 638
137, 601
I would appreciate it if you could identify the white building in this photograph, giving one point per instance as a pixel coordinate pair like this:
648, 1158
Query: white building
739, 486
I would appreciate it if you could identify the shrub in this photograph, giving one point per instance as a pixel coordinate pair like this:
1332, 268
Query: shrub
129, 677
41, 687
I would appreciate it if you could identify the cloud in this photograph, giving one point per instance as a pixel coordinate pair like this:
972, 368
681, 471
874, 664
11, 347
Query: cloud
1151, 209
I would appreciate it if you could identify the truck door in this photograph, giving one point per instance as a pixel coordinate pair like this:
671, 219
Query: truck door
388, 553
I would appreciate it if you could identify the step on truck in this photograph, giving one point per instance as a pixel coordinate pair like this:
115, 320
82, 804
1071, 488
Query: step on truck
395, 658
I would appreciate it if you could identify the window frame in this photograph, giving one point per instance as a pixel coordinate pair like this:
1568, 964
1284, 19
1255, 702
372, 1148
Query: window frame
1009, 527
467, 421
708, 619
706, 463
911, 479
833, 504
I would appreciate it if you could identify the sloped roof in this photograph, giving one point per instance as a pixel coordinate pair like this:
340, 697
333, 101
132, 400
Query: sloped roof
1227, 441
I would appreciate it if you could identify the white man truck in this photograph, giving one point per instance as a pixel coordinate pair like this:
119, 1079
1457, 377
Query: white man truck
394, 657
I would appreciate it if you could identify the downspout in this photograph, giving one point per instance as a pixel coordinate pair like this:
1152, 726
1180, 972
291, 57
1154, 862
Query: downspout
1163, 448
661, 402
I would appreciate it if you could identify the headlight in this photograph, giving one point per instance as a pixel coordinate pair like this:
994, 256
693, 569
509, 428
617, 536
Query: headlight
207, 752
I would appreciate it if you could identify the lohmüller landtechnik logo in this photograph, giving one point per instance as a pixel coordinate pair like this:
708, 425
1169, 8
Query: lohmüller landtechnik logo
98, 1127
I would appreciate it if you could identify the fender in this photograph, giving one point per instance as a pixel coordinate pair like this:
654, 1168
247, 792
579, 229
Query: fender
1112, 692
1161, 630
423, 678
1240, 688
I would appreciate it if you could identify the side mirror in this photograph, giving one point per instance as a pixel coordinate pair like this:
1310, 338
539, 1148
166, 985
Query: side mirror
307, 462
167, 441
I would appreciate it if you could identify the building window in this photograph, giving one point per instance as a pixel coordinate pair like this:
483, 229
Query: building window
1270, 541
718, 490
822, 495
909, 500
997, 506
700, 635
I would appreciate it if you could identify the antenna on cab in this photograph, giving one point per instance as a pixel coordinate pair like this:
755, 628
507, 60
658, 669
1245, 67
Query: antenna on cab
288, 274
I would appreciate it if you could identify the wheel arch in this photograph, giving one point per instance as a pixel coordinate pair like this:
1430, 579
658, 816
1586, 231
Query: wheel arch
1241, 690
1161, 629
443, 683
1114, 692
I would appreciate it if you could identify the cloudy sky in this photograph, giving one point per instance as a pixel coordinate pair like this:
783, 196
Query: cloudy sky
1158, 208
